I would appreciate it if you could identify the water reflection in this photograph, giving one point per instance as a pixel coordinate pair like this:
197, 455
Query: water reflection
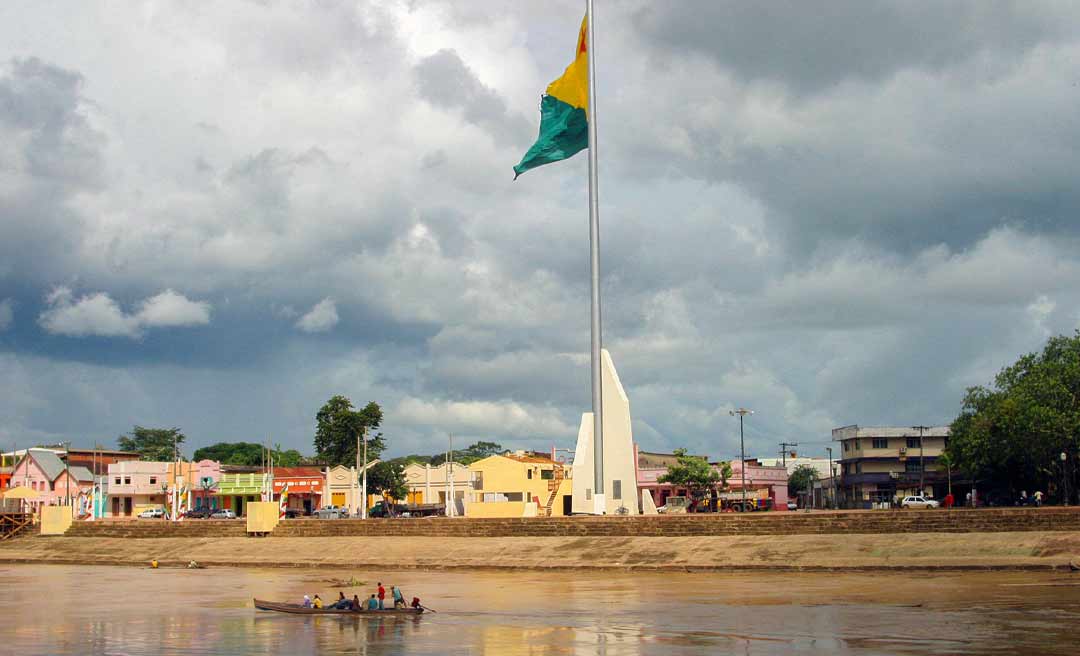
84, 610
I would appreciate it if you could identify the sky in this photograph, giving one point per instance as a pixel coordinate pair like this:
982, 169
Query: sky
215, 216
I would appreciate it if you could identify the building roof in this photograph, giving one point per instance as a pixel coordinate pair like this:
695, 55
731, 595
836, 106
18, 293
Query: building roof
81, 474
651, 460
855, 431
49, 462
531, 459
298, 472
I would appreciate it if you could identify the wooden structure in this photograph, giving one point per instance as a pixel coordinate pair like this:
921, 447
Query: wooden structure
298, 609
12, 523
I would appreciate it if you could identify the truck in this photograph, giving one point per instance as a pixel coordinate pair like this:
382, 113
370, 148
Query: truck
756, 500
383, 509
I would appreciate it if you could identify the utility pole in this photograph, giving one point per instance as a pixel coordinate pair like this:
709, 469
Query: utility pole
742, 412
922, 468
832, 481
363, 487
67, 469
783, 451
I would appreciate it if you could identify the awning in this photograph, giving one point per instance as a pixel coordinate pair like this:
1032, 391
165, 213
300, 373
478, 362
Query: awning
21, 492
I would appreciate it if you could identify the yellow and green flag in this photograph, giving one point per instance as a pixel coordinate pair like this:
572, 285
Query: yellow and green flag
564, 123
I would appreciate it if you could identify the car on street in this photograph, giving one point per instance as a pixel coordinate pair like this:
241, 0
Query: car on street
198, 513
918, 502
332, 512
224, 513
152, 513
792, 505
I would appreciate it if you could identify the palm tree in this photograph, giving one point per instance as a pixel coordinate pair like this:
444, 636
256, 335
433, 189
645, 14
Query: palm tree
945, 461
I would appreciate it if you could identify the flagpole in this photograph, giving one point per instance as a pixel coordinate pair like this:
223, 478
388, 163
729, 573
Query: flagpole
594, 251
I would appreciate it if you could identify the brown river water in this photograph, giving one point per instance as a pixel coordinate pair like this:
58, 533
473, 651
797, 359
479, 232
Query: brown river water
55, 609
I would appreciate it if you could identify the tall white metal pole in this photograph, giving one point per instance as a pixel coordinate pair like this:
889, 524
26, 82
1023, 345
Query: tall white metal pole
594, 251
452, 503
363, 487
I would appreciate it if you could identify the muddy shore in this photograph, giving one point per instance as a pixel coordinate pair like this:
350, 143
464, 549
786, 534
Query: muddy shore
923, 551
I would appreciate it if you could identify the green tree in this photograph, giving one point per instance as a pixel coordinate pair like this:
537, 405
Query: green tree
287, 458
695, 474
155, 444
388, 479
232, 453
1009, 436
801, 478
470, 454
337, 428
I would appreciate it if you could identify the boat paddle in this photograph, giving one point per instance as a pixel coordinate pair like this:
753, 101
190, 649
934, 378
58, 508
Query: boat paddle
431, 610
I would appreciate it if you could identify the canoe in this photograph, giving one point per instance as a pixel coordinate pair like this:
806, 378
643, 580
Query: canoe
300, 609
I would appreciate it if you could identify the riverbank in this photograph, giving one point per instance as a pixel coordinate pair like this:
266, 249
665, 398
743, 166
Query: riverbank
1033, 550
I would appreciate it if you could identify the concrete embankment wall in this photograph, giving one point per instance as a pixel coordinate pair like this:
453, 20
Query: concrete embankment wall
1005, 520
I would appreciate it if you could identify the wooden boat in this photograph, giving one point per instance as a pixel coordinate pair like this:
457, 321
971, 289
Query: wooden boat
300, 609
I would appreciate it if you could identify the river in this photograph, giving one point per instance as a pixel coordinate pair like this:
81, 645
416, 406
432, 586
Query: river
57, 609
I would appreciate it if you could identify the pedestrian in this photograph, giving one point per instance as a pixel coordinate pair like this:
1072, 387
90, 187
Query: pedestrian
1023, 498
967, 500
948, 500
1038, 498
382, 595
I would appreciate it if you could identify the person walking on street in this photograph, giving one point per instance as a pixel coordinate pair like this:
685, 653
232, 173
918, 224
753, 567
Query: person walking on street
382, 595
1038, 498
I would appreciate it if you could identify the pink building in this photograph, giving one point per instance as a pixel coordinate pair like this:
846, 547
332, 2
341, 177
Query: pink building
136, 485
768, 481
205, 476
44, 472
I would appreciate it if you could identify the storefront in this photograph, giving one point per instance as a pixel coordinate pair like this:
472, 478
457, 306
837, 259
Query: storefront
235, 491
305, 487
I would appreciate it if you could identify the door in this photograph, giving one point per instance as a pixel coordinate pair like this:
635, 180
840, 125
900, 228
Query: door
116, 507
337, 499
567, 505
127, 506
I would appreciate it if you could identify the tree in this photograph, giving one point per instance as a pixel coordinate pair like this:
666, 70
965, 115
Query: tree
1011, 435
337, 427
801, 478
232, 453
694, 473
388, 479
155, 444
288, 458
470, 454
945, 462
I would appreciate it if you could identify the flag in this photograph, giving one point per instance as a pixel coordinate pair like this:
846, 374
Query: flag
564, 123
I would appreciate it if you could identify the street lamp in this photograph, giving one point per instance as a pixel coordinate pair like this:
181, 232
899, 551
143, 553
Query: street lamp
742, 412
1064, 477
922, 468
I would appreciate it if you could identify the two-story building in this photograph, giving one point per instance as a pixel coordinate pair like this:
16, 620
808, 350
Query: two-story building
519, 485
762, 481
45, 473
137, 485
880, 464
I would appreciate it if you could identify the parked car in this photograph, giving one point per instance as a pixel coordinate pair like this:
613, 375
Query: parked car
332, 512
293, 513
198, 513
152, 513
224, 513
792, 505
918, 502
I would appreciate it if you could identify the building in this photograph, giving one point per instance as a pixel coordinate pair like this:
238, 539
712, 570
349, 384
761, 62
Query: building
518, 485
761, 481
235, 489
880, 464
97, 460
44, 472
620, 467
342, 488
429, 484
791, 463
305, 487
137, 485
205, 476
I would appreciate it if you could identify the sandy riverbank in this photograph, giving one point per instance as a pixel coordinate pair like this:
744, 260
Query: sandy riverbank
1030, 550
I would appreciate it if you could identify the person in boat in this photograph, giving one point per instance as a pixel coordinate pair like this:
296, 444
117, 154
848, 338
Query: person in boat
316, 602
416, 602
382, 595
342, 603
373, 603
399, 598
356, 603
307, 602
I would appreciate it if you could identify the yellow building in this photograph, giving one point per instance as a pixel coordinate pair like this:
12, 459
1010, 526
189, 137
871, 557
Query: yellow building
518, 485
429, 484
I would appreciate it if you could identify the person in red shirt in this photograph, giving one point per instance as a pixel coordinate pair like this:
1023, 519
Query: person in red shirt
382, 595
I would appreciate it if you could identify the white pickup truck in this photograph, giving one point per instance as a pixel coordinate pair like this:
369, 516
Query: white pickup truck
332, 512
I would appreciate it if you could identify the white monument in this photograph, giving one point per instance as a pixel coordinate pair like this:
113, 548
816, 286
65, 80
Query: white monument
620, 474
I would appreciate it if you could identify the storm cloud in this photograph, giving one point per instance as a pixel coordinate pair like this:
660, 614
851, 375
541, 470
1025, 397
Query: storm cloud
828, 212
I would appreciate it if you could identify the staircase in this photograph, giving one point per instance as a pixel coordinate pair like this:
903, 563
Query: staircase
553, 488
159, 528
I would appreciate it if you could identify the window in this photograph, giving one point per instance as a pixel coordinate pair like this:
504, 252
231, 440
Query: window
528, 474
856, 445
881, 442
116, 481
847, 446
858, 468
912, 442
912, 466
153, 480
127, 480
513, 496
588, 494
616, 489
547, 474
